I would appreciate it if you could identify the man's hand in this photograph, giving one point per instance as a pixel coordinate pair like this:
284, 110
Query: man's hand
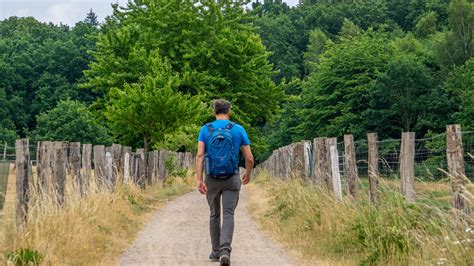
246, 179
201, 186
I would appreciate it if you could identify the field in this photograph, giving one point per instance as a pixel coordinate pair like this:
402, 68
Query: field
86, 231
313, 226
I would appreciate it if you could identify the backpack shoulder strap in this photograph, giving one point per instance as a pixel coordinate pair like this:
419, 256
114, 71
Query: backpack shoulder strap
210, 128
230, 125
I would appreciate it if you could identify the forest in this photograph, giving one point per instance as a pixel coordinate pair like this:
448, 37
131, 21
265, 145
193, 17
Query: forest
146, 75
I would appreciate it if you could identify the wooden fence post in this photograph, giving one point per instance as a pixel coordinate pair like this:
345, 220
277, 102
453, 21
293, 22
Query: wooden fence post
162, 165
407, 166
75, 163
141, 177
454, 155
116, 163
319, 160
327, 168
22, 178
109, 169
59, 170
335, 174
99, 166
308, 158
126, 152
44, 166
86, 168
5, 151
350, 164
373, 167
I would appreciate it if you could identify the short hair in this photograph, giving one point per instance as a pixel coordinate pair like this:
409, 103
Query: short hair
221, 106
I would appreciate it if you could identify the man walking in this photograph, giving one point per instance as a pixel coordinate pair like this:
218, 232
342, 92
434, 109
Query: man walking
219, 143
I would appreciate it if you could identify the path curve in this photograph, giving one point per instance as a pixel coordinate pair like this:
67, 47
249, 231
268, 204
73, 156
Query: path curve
178, 234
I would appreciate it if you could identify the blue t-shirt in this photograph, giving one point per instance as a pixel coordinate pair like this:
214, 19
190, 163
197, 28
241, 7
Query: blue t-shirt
239, 136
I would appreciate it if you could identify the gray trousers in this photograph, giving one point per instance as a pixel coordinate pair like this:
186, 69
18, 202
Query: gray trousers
225, 191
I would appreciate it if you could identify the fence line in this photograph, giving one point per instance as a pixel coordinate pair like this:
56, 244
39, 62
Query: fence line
85, 167
406, 158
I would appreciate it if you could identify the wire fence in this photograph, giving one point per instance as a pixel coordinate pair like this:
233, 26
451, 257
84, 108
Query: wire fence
430, 157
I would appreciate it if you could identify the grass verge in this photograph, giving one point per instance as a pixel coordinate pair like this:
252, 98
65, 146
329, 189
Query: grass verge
311, 224
85, 231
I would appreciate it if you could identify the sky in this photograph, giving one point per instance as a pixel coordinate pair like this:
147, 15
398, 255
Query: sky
63, 11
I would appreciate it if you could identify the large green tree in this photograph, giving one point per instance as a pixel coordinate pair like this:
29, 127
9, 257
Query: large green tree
337, 93
153, 111
212, 45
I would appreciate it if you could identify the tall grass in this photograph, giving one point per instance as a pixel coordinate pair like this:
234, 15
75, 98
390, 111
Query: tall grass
85, 231
309, 221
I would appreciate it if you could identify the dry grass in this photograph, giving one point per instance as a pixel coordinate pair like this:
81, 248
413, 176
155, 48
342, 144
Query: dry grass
85, 231
311, 224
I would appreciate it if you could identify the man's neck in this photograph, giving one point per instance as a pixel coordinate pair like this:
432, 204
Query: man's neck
222, 117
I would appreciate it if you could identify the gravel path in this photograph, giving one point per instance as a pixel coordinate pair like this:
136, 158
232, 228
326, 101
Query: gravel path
178, 234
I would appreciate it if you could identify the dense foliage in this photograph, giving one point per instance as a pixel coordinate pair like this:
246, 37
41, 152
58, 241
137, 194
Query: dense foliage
148, 73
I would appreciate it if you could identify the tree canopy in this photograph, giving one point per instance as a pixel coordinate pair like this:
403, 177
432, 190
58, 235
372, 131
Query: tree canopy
148, 73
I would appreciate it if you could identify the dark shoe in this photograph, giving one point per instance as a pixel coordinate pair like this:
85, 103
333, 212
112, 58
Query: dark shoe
214, 256
225, 257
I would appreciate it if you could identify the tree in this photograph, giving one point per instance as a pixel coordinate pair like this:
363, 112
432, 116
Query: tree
211, 45
405, 98
50, 89
456, 45
426, 25
336, 95
316, 44
7, 127
349, 29
91, 19
460, 86
278, 34
40, 64
70, 121
153, 111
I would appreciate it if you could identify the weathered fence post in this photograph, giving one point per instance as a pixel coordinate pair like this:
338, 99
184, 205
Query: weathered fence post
116, 163
319, 160
75, 163
109, 170
350, 164
44, 166
126, 152
373, 166
22, 178
327, 174
335, 175
86, 168
152, 167
407, 166
5, 151
99, 165
59, 170
162, 165
141, 170
454, 155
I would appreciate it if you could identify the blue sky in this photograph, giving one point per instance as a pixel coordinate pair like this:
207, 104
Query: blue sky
65, 11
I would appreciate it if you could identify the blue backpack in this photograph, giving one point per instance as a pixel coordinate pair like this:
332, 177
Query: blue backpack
220, 160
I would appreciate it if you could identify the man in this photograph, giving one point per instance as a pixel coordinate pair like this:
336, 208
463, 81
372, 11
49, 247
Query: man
219, 143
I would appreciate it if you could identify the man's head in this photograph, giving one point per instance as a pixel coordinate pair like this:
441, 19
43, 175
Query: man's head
221, 108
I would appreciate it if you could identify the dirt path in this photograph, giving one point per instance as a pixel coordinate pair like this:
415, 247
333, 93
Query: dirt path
179, 235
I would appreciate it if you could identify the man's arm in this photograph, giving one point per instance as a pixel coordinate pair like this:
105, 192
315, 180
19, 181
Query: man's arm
199, 167
249, 161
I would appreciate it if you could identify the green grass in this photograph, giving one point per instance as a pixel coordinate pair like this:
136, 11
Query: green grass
312, 223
